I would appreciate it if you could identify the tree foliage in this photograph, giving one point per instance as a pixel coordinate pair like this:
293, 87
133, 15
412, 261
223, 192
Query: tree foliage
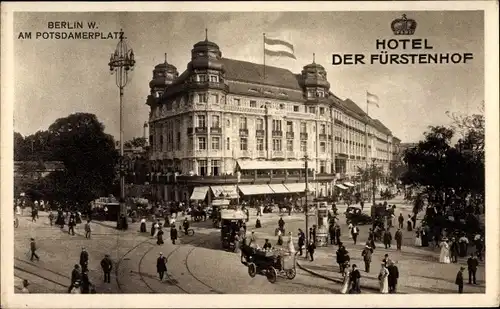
135, 142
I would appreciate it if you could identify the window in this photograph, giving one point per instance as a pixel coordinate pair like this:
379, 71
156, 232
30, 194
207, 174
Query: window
322, 147
202, 97
215, 121
201, 121
277, 144
253, 103
214, 78
202, 143
303, 146
243, 123
190, 143
310, 94
202, 78
260, 144
202, 167
215, 143
215, 168
312, 110
322, 167
320, 94
243, 143
237, 102
259, 124
161, 142
228, 143
303, 127
296, 108
276, 125
289, 126
178, 142
282, 106
228, 123
215, 98
321, 110
289, 145
322, 129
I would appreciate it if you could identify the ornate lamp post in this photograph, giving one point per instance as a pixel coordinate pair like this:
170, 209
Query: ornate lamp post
120, 63
306, 208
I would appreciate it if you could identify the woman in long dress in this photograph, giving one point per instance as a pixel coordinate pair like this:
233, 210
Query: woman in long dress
350, 230
345, 284
418, 238
383, 279
444, 256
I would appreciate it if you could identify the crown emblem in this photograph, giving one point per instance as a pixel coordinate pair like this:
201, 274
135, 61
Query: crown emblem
403, 26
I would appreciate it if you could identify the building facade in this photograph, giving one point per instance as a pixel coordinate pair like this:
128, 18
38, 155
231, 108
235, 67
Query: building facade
222, 114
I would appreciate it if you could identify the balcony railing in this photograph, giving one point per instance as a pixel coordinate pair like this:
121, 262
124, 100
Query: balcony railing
303, 136
261, 154
205, 85
278, 154
277, 133
289, 135
322, 137
260, 133
216, 130
243, 132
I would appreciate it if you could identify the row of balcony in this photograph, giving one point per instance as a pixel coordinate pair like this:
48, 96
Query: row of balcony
258, 133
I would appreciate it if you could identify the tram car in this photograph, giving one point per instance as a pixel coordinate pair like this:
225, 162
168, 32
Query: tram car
231, 221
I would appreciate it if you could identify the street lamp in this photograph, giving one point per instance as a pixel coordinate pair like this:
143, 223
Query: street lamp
373, 181
121, 62
306, 191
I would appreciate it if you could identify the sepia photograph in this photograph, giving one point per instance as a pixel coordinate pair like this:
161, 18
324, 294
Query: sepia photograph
250, 154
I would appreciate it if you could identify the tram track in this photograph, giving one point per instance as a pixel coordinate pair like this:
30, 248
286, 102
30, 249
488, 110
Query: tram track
195, 277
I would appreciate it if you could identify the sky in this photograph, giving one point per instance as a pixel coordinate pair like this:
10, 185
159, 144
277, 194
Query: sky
54, 78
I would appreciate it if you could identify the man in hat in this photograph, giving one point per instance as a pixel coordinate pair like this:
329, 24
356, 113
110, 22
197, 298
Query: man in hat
387, 238
107, 266
33, 250
161, 265
398, 236
84, 259
460, 280
75, 277
367, 257
88, 230
472, 264
393, 277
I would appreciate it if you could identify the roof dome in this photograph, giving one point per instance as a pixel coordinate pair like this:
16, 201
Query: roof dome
163, 74
314, 75
206, 44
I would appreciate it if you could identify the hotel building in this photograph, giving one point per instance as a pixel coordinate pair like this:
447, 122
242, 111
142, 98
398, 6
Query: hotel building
226, 125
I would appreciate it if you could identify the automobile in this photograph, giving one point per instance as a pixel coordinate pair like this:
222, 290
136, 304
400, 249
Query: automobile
356, 216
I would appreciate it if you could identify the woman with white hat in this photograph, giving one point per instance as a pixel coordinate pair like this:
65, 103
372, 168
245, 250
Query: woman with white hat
444, 256
383, 279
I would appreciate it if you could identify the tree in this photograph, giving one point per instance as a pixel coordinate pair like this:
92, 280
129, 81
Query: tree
136, 142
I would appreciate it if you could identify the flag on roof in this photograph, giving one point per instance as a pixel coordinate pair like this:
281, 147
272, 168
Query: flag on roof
276, 46
371, 99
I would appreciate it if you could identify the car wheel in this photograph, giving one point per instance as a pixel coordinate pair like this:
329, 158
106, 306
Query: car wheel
252, 270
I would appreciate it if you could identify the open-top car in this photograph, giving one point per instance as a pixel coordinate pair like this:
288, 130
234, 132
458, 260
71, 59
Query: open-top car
268, 263
356, 216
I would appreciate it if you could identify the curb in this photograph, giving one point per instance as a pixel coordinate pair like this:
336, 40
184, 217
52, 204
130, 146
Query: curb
332, 279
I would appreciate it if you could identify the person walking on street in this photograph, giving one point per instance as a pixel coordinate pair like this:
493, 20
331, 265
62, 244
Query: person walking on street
84, 260
25, 290
107, 266
310, 249
33, 250
409, 223
387, 238
88, 230
355, 233
173, 234
161, 266
393, 277
85, 282
51, 218
454, 250
159, 240
472, 264
71, 225
459, 281
331, 232
367, 257
75, 277
383, 279
301, 241
337, 234
398, 236
347, 280
355, 278
401, 221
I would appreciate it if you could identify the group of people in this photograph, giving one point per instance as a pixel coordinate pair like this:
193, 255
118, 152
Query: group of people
80, 282
157, 229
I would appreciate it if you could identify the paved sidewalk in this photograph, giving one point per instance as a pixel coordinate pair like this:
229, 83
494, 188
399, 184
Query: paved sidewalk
419, 269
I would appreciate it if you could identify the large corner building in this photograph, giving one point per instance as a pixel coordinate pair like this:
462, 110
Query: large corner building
225, 125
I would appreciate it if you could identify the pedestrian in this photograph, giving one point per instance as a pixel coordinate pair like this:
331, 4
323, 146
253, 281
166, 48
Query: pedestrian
386, 260
237, 243
280, 238
75, 288
88, 230
159, 240
347, 279
393, 276
51, 218
444, 255
33, 250
161, 266
463, 243
84, 260
342, 257
454, 250
383, 279
281, 224
301, 241
472, 264
355, 233
367, 257
398, 236
387, 238
75, 277
25, 290
173, 234
71, 225
152, 229
310, 249
418, 238
331, 232
459, 281
355, 278
143, 225
107, 266
338, 233
479, 247
401, 221
409, 224
33, 215
157, 228
371, 239
253, 239
424, 235
85, 282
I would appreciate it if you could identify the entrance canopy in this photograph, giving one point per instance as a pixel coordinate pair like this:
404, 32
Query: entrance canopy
298, 187
255, 189
225, 191
349, 184
279, 188
199, 193
341, 186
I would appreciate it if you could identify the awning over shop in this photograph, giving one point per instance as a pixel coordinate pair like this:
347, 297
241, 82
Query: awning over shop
299, 187
199, 193
255, 189
349, 184
341, 186
279, 188
224, 191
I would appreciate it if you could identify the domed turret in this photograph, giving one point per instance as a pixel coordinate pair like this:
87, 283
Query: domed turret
314, 75
206, 55
163, 75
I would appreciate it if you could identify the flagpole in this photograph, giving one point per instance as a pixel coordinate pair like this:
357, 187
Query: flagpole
366, 127
264, 52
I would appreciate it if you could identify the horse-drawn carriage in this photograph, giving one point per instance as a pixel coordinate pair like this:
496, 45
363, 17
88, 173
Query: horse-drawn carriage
268, 263
230, 223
